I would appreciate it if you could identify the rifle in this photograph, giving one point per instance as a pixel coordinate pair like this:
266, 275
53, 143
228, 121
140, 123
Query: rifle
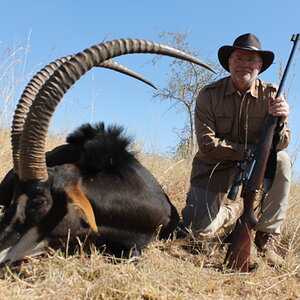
238, 253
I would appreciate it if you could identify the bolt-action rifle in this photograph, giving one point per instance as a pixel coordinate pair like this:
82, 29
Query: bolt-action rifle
238, 253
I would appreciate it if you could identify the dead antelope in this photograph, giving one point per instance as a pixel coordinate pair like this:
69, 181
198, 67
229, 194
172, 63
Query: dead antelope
95, 186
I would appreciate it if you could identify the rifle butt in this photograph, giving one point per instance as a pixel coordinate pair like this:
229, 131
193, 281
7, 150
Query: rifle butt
239, 250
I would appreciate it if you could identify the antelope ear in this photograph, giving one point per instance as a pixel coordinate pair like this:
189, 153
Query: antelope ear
77, 197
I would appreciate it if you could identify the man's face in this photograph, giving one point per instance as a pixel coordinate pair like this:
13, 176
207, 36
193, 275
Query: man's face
244, 66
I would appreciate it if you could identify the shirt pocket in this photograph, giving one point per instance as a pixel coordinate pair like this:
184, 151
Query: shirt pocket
223, 125
255, 124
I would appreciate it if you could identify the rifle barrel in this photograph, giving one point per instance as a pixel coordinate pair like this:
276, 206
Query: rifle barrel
295, 39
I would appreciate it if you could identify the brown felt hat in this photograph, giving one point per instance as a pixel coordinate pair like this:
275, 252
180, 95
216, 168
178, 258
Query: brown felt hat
248, 42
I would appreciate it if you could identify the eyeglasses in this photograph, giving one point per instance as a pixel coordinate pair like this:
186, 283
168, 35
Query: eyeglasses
239, 60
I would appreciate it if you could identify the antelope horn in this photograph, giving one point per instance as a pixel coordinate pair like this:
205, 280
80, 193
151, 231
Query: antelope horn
25, 103
34, 87
32, 147
110, 64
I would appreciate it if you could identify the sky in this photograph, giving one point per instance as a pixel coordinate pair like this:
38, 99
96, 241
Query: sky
52, 29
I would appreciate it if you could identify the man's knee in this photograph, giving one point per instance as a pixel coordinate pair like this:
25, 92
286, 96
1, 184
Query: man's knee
284, 164
202, 206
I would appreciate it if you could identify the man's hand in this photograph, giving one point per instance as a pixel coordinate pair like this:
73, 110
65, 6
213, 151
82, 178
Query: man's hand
279, 108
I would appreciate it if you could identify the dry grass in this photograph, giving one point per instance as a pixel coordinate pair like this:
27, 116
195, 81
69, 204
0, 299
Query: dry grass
5, 151
165, 270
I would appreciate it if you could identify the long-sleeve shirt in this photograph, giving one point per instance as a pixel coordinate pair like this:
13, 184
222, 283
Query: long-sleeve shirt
227, 123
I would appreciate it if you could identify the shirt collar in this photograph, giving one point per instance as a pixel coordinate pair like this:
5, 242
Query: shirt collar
253, 90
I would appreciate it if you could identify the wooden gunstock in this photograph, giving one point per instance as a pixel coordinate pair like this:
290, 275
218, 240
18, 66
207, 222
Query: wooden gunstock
238, 253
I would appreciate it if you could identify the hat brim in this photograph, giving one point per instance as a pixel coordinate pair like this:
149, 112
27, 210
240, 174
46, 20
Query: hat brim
225, 52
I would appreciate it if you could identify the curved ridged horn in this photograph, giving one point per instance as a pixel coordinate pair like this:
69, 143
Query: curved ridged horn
32, 148
25, 102
110, 64
34, 87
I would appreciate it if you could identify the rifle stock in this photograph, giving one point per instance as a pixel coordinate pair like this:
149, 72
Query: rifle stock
238, 253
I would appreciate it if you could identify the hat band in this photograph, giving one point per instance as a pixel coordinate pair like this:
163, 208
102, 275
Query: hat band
250, 47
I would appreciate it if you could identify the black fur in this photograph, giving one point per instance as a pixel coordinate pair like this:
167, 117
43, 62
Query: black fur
103, 150
128, 202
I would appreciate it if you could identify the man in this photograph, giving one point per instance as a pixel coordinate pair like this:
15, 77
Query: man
229, 117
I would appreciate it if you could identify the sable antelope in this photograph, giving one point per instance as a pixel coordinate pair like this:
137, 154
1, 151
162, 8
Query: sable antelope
102, 191
60, 155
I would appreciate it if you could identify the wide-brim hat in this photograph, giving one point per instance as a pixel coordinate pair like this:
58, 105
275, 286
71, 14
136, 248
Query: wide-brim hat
248, 42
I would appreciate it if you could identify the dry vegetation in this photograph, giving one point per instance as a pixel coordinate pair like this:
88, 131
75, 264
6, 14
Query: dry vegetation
166, 270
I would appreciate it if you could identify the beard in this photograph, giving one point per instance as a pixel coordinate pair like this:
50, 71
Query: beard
245, 75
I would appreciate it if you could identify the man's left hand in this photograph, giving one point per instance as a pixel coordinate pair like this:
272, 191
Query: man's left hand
279, 108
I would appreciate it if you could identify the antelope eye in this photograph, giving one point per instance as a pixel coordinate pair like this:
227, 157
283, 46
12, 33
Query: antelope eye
37, 201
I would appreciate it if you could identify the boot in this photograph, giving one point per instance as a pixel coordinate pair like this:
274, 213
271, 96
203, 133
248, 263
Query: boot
264, 242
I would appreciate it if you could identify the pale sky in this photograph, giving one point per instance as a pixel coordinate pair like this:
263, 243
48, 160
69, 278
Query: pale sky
52, 29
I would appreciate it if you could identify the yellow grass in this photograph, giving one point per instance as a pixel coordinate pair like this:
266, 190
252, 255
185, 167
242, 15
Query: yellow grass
166, 270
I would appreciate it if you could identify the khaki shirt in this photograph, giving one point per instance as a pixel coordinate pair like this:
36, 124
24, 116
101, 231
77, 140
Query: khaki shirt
227, 123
